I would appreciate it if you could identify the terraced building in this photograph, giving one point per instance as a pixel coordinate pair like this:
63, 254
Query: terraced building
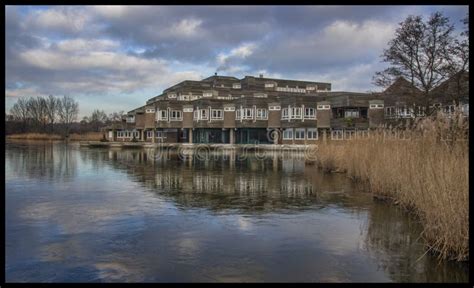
223, 109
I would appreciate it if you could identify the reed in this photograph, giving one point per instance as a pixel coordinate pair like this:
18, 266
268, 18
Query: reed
89, 136
423, 168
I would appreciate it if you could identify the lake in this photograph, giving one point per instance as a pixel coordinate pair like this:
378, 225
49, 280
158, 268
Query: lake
78, 214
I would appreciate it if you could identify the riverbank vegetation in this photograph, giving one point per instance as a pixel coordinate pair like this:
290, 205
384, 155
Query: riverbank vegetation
89, 136
423, 168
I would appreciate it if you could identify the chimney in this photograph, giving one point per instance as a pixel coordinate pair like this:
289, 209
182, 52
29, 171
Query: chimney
261, 75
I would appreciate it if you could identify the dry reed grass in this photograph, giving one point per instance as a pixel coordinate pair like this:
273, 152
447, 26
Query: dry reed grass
425, 169
89, 136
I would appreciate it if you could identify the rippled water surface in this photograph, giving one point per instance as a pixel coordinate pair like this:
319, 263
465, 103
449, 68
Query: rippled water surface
77, 214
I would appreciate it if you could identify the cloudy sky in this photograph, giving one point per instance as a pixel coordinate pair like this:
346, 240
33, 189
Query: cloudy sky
116, 57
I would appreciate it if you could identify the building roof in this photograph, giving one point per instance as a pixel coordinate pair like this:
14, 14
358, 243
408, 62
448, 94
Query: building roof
401, 86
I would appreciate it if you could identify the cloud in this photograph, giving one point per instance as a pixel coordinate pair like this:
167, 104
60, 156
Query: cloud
102, 52
226, 61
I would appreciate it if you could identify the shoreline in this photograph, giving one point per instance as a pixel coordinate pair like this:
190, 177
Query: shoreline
76, 137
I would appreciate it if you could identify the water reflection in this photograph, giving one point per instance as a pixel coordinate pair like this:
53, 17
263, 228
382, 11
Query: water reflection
42, 160
218, 184
127, 215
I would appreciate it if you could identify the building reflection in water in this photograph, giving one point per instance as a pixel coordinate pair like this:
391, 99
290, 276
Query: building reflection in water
277, 182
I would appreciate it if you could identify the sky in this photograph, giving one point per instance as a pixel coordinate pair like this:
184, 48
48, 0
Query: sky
115, 58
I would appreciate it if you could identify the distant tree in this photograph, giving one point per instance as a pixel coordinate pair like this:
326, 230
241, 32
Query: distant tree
421, 52
68, 111
116, 116
97, 119
52, 109
38, 112
20, 113
459, 61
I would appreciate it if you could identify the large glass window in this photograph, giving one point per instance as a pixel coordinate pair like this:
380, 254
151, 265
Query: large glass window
295, 113
248, 113
262, 114
309, 113
175, 115
312, 134
288, 134
216, 114
204, 115
164, 115
299, 134
351, 113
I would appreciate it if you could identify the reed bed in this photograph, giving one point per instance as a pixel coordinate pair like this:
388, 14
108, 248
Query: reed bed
423, 168
89, 136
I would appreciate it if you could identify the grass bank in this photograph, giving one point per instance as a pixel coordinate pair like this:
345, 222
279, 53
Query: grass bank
424, 169
89, 136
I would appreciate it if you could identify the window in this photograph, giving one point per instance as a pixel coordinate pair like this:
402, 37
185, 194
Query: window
349, 134
269, 85
131, 119
405, 112
207, 94
299, 134
295, 113
465, 109
285, 113
229, 109
216, 114
160, 134
288, 134
309, 113
390, 112
312, 134
172, 95
311, 87
150, 110
351, 113
196, 115
163, 115
149, 134
376, 106
187, 109
337, 134
274, 108
203, 115
262, 114
236, 86
324, 107
237, 114
420, 111
248, 113
449, 109
175, 115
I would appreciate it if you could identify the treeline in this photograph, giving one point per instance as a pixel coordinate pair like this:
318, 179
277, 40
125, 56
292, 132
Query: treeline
99, 119
54, 115
42, 114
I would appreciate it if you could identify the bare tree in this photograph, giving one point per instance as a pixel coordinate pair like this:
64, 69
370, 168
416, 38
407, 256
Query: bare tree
459, 63
20, 113
37, 111
420, 52
52, 109
116, 116
68, 111
98, 119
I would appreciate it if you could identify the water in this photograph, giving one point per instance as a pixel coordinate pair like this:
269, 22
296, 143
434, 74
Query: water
76, 214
